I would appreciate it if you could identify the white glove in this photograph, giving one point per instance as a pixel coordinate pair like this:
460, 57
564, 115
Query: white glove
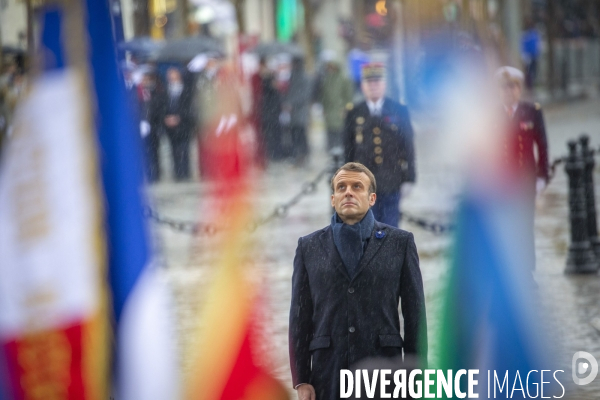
406, 189
540, 185
144, 128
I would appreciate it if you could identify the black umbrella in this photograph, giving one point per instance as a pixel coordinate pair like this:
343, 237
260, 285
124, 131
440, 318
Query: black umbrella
275, 48
142, 46
187, 48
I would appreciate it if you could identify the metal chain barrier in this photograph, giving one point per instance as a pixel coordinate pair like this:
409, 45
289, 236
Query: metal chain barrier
433, 227
440, 228
193, 228
280, 211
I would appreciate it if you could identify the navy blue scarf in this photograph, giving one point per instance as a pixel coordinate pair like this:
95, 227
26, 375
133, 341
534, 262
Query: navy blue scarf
351, 240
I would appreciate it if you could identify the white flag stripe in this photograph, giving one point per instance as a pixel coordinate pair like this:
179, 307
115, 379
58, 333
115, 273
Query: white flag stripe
148, 365
49, 267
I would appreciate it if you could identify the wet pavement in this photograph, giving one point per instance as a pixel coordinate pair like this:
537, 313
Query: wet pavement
570, 303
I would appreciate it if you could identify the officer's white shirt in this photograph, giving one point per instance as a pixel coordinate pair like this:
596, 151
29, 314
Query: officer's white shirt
375, 108
514, 109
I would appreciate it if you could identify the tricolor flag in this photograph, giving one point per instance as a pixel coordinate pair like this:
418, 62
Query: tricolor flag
53, 298
72, 210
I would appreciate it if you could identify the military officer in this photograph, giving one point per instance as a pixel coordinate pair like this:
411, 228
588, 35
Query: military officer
526, 131
378, 133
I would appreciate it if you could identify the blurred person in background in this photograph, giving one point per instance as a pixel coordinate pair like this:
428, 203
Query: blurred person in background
334, 91
7, 76
296, 101
270, 112
14, 91
357, 58
283, 73
222, 133
150, 124
525, 131
255, 115
205, 103
530, 52
177, 120
378, 133
4, 124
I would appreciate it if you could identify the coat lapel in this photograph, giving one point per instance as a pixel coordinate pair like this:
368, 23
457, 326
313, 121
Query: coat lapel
372, 248
326, 239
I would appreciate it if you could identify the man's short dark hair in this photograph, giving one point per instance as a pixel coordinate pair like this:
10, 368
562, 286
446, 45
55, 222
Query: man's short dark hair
357, 167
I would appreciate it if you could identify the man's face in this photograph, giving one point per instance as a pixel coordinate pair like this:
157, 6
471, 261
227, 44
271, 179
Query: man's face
351, 198
511, 93
373, 89
173, 75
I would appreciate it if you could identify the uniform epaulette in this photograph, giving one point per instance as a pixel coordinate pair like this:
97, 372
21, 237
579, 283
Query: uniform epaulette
349, 106
537, 106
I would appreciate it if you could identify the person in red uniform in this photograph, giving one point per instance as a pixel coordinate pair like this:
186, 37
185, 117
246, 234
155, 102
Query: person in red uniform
526, 130
525, 144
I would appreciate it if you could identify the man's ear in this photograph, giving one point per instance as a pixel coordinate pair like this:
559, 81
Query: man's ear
372, 199
332, 203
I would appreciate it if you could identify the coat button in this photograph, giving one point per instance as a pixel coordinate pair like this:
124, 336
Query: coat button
351, 329
377, 140
376, 130
378, 160
351, 290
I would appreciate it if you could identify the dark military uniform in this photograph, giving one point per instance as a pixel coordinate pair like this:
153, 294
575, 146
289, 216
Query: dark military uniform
526, 131
384, 144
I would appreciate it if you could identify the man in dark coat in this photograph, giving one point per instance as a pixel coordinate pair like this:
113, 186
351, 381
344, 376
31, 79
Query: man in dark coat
149, 125
378, 133
347, 282
178, 121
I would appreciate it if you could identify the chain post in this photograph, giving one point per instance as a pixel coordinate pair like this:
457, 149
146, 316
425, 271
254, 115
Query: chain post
581, 258
588, 178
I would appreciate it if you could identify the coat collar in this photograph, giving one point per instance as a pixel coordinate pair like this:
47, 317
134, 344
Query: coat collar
326, 239
386, 108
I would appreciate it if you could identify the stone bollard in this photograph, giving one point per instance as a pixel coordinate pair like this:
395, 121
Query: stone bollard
590, 199
581, 258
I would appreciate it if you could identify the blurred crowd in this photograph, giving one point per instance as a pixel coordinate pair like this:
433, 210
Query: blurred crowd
12, 89
184, 104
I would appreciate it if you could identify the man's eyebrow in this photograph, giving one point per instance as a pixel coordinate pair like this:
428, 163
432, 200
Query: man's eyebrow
349, 182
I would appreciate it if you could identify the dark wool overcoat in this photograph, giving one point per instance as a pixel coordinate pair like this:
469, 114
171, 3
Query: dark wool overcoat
336, 321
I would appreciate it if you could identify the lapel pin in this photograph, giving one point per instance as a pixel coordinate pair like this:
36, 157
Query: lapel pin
379, 234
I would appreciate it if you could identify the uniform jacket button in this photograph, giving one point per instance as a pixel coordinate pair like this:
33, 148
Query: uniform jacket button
351, 329
351, 290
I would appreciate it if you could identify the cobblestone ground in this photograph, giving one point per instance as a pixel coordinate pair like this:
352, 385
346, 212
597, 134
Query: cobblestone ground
571, 302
